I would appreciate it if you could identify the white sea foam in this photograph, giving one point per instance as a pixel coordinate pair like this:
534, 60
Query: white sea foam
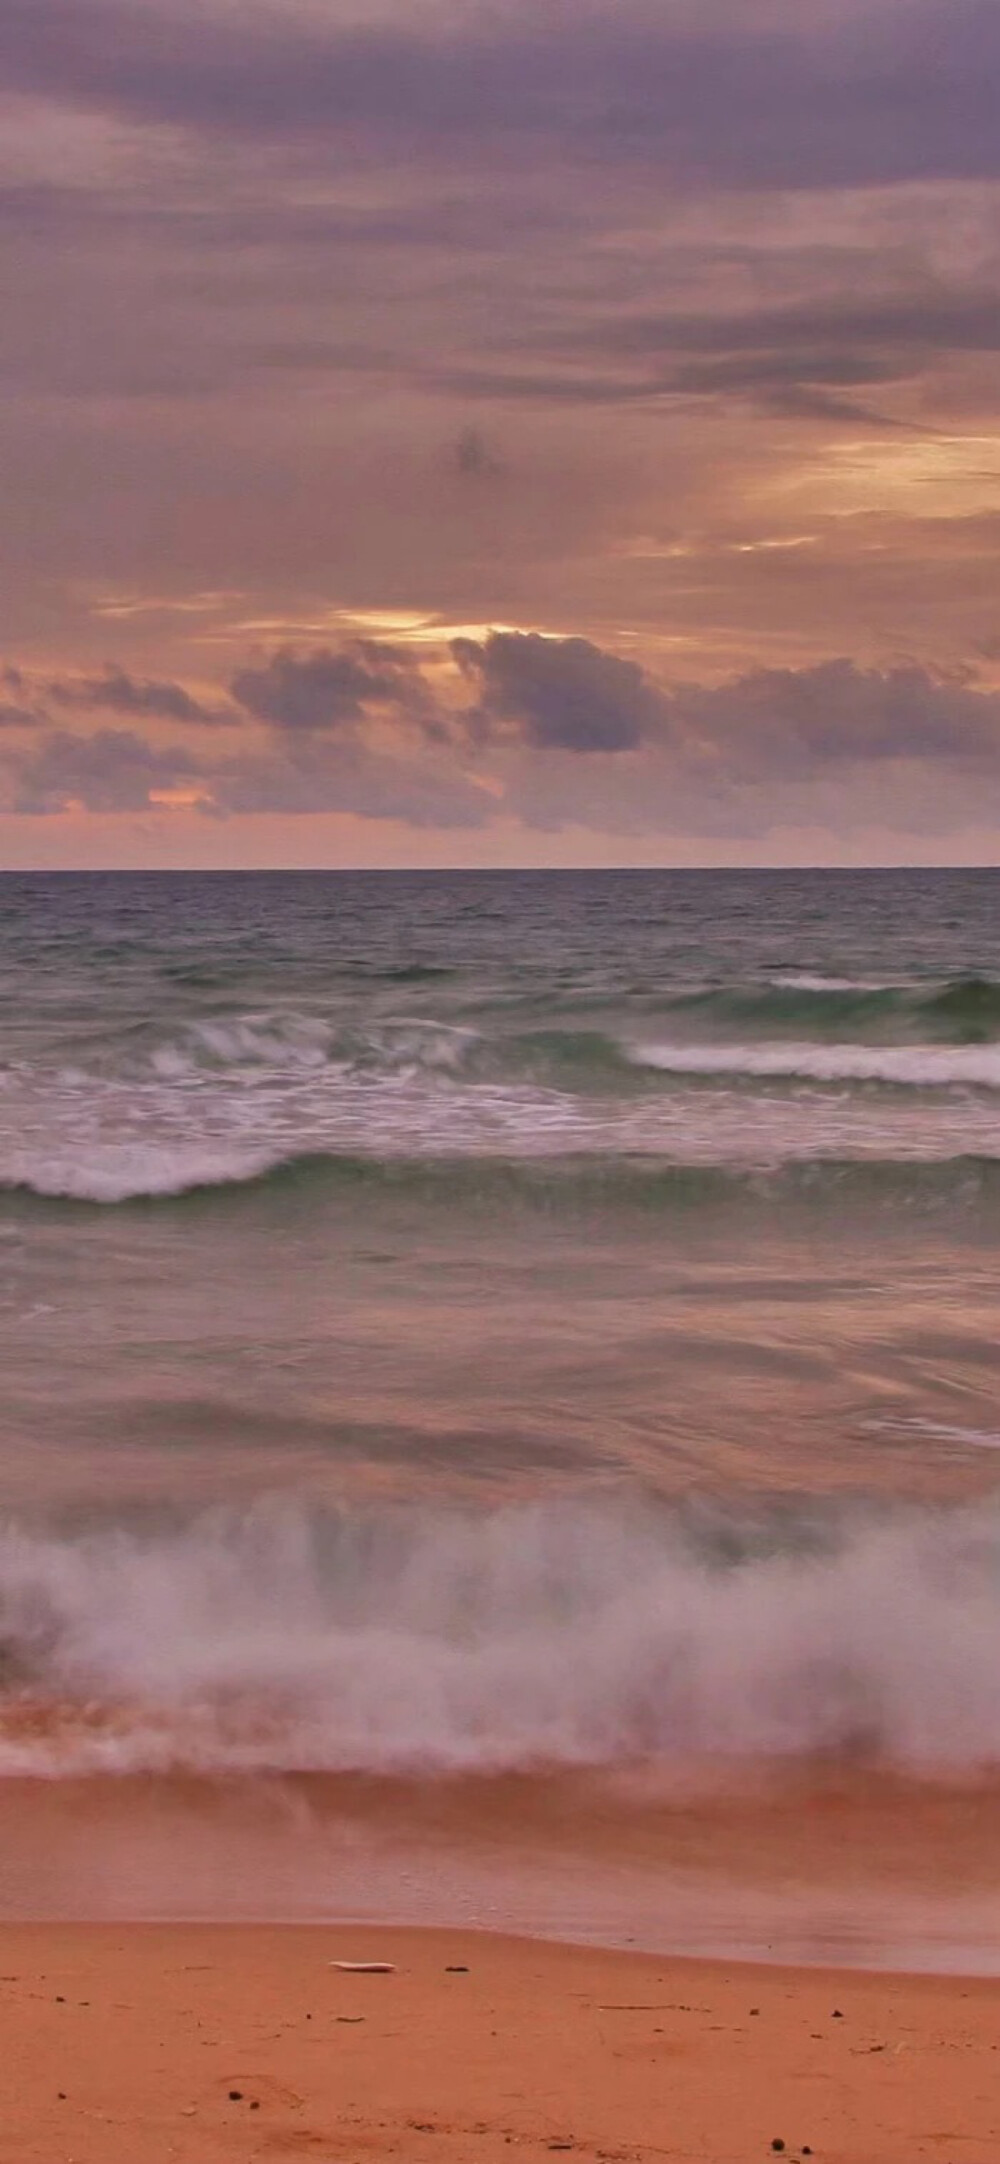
903, 1066
250, 1041
111, 1172
220, 1103
250, 1045
795, 980
108, 1143
415, 1643
945, 1431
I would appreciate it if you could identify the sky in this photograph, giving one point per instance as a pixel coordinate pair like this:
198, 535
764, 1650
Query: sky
456, 432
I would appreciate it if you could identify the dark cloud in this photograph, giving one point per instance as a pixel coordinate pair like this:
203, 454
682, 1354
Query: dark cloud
112, 770
794, 359
818, 747
784, 98
833, 326
116, 692
49, 211
15, 712
696, 754
809, 402
557, 694
540, 694
775, 391
330, 690
117, 771
776, 371
571, 696
784, 719
544, 388
321, 774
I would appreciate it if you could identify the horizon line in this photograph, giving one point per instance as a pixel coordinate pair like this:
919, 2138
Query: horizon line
451, 871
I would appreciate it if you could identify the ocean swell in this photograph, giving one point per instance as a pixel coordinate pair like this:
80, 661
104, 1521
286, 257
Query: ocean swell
956, 1010
400, 1642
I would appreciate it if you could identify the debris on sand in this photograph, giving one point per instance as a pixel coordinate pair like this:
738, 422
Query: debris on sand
365, 1968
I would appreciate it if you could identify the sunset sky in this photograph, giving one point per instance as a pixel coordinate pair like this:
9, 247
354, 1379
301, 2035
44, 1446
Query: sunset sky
468, 432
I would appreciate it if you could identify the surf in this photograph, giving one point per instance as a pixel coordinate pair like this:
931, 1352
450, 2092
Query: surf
408, 1641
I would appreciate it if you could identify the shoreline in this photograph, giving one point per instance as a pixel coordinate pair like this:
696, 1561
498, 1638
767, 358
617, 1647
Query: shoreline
205, 2042
809, 1867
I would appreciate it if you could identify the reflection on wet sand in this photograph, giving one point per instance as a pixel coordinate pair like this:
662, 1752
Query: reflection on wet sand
794, 1864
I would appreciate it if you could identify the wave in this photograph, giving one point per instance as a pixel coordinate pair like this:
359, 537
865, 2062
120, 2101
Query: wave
258, 1098
959, 1011
965, 1184
297, 1042
795, 1026
293, 1041
395, 1046
145, 1172
536, 1032
263, 1042
897, 1066
804, 980
586, 1060
399, 1641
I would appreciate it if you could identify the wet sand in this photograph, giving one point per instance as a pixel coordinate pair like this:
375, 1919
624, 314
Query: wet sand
800, 1864
143, 2043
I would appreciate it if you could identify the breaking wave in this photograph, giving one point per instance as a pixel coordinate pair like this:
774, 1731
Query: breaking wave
396, 1641
288, 1042
581, 1057
609, 1104
897, 1066
550, 1033
965, 1185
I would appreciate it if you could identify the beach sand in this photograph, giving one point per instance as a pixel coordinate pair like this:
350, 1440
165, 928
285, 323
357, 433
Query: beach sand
134, 2044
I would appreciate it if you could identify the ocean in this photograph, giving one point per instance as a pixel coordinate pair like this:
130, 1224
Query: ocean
500, 1411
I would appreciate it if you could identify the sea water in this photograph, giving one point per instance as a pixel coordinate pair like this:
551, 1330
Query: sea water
496, 1328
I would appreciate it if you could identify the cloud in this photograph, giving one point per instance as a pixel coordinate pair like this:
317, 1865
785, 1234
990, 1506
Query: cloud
545, 704
702, 759
557, 694
117, 771
574, 239
780, 97
330, 689
797, 360
832, 328
114, 691
826, 749
791, 358
784, 720
15, 713
111, 770
805, 402
774, 371
311, 773
571, 696
14, 702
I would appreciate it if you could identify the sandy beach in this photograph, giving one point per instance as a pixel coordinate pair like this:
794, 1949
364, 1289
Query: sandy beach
143, 2043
